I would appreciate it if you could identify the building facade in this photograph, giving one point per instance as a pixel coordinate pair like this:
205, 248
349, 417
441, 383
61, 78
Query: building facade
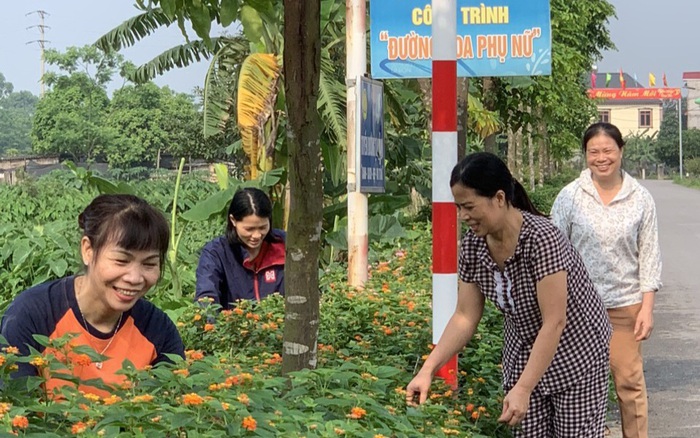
624, 108
691, 82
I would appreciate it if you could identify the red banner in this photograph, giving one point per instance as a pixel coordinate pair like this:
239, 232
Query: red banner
634, 93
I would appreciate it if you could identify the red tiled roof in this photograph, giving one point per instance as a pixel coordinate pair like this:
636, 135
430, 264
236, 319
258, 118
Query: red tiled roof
691, 75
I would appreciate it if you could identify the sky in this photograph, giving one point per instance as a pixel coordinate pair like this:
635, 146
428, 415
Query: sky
650, 36
79, 23
654, 36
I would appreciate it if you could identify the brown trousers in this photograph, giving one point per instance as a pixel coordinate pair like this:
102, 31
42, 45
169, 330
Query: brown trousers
628, 374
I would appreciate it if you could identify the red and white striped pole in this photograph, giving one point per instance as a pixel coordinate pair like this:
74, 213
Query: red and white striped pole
444, 142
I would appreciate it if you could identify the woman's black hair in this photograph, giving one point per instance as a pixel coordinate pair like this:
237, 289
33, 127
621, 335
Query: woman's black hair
126, 220
248, 201
603, 128
487, 174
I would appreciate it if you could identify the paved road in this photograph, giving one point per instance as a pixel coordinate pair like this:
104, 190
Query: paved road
672, 355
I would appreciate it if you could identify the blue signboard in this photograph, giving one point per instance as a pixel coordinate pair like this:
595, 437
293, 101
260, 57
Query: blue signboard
494, 38
369, 134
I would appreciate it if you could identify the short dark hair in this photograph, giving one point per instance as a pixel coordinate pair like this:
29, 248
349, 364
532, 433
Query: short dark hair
603, 128
487, 174
126, 220
248, 201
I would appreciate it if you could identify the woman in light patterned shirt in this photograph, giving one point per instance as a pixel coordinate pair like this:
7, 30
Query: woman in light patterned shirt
611, 220
556, 331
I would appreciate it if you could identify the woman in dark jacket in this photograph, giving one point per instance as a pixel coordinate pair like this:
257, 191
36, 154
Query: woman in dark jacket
248, 262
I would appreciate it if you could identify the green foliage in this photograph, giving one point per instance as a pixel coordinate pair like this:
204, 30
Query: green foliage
692, 166
16, 112
150, 119
71, 119
371, 340
667, 144
640, 151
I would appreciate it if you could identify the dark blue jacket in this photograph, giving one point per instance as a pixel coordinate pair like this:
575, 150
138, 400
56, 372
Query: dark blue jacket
226, 274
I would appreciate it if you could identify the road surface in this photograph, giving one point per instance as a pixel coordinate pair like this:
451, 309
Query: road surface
672, 355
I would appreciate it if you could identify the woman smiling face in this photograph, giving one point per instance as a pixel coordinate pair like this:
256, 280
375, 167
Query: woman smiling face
603, 157
117, 277
484, 215
251, 230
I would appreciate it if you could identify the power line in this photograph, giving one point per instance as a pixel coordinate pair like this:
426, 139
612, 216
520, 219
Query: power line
41, 41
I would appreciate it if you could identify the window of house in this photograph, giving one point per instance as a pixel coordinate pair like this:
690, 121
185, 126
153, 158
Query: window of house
604, 116
645, 118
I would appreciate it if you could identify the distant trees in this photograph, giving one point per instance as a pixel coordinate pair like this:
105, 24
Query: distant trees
76, 117
16, 112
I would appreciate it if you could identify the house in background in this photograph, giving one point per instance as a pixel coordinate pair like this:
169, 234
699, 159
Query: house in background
630, 112
691, 82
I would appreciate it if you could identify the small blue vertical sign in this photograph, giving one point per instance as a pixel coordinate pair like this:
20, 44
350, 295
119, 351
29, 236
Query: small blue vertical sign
369, 135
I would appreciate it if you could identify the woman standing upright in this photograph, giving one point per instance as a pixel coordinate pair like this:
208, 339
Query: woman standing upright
555, 353
611, 220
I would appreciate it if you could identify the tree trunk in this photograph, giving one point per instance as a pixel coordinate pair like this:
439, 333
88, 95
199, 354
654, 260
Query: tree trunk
302, 67
511, 151
489, 89
518, 171
462, 116
541, 157
530, 158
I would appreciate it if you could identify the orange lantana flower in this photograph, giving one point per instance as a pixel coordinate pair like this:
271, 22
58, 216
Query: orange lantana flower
192, 399
357, 413
78, 428
20, 422
249, 423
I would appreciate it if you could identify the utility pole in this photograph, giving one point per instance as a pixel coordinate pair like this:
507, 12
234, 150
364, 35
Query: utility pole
680, 137
41, 41
356, 65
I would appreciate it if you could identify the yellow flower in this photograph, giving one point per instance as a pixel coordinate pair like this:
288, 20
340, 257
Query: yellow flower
11, 350
5, 408
92, 397
38, 361
145, 398
112, 399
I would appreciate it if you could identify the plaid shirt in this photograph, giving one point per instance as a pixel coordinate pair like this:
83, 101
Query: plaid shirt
541, 251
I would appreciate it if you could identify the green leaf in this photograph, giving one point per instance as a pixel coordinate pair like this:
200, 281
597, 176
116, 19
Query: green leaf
201, 22
252, 24
168, 7
221, 171
213, 205
229, 12
59, 267
21, 252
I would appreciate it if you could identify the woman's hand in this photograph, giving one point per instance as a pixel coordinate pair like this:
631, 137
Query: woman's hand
515, 406
418, 388
645, 318
644, 325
